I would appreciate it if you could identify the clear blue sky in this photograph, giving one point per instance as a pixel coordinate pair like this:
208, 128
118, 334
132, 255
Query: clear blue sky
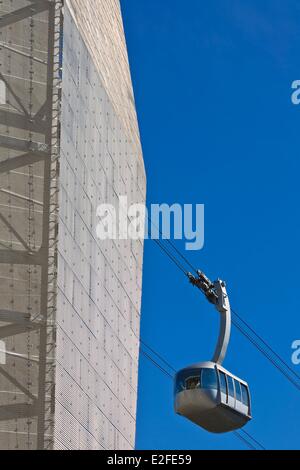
212, 83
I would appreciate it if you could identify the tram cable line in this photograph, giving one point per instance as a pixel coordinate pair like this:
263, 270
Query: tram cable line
156, 364
266, 344
269, 357
172, 257
251, 437
264, 348
206, 393
184, 258
158, 356
244, 440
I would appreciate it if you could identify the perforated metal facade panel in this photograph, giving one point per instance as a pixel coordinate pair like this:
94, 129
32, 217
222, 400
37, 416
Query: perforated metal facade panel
99, 282
29, 148
101, 27
70, 303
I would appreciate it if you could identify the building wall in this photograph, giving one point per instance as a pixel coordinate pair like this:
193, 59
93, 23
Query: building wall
69, 324
28, 147
99, 282
101, 26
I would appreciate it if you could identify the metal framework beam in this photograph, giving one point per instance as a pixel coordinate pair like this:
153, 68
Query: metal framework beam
24, 54
14, 232
22, 410
23, 13
21, 257
19, 121
11, 316
14, 94
17, 329
44, 122
17, 384
21, 145
23, 160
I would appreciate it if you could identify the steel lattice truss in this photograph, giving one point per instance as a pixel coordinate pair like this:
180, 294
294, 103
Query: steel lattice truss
29, 143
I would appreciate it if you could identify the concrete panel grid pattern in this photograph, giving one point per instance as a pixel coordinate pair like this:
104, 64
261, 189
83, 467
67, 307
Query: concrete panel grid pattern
70, 303
101, 26
29, 129
99, 282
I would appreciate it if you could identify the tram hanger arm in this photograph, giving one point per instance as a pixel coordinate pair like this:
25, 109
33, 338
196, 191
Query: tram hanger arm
216, 293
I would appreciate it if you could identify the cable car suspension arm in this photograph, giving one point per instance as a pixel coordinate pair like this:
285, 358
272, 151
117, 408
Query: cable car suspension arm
216, 293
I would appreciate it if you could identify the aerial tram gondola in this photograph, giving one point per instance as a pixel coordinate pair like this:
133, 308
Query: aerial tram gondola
205, 392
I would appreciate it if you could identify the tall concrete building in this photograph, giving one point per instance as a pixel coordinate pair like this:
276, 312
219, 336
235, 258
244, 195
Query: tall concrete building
69, 302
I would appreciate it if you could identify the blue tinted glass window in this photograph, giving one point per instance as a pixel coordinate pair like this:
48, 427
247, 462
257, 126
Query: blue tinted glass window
223, 382
209, 379
230, 386
245, 395
179, 383
238, 392
192, 382
187, 379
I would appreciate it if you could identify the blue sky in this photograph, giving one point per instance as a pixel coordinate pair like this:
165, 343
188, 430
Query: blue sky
212, 84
